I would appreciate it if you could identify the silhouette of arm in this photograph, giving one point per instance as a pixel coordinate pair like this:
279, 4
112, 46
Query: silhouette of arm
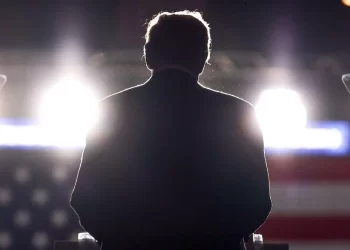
255, 202
91, 194
88, 197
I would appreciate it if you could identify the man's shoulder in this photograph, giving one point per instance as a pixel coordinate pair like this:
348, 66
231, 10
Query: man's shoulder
229, 100
112, 112
246, 118
241, 112
122, 95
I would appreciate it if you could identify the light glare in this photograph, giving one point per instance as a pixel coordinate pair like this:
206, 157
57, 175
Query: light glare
37, 136
69, 108
281, 115
307, 138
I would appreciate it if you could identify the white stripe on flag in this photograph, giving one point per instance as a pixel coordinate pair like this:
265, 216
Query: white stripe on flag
310, 199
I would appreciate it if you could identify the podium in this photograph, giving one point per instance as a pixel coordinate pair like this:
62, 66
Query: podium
87, 242
84, 242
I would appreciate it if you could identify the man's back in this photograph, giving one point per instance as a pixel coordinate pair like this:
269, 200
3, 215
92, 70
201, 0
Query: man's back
178, 165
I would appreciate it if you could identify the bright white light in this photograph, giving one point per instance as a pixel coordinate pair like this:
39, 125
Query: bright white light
32, 136
330, 139
69, 108
281, 115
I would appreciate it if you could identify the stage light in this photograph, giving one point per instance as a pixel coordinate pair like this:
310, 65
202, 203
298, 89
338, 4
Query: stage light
69, 108
281, 114
346, 2
318, 138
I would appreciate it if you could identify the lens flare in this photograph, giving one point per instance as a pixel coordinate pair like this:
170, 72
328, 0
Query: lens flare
282, 115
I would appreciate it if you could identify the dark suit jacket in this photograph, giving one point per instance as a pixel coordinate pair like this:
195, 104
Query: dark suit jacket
173, 165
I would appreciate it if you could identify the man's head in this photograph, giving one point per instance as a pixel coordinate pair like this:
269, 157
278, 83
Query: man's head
178, 38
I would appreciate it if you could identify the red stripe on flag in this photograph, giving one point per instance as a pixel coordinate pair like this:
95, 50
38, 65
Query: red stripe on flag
306, 228
308, 168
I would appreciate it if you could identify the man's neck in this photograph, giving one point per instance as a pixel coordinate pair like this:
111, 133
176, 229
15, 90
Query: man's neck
177, 67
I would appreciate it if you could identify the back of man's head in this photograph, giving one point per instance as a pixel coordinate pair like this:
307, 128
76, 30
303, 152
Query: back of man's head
178, 38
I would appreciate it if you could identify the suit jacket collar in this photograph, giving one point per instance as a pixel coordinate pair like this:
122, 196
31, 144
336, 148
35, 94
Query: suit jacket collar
174, 68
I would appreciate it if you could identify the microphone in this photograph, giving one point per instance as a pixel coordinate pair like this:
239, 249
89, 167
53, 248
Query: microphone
346, 80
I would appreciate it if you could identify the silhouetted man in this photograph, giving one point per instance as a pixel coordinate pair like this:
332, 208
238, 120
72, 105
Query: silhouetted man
173, 165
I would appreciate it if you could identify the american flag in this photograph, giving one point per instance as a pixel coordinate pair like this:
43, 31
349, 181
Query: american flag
311, 205
35, 186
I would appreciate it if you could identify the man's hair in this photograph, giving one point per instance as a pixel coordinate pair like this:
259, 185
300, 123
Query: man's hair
179, 38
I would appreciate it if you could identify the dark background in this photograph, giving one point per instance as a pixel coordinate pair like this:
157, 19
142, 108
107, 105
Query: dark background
306, 26
290, 34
